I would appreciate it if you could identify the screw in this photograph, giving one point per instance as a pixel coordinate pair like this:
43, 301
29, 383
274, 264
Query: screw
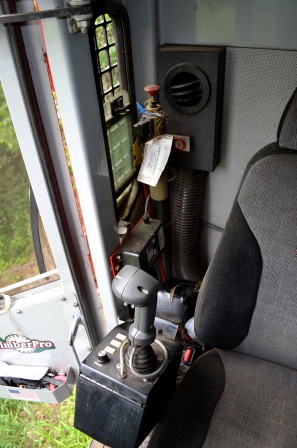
63, 299
19, 311
75, 304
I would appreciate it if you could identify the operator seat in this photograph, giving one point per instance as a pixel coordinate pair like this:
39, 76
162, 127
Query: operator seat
243, 393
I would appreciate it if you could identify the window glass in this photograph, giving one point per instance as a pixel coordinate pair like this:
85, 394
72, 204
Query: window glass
120, 142
17, 254
107, 59
119, 125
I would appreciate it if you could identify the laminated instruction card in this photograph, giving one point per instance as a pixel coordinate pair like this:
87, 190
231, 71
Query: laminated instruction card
155, 156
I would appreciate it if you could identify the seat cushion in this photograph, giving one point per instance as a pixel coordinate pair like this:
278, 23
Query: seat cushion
228, 399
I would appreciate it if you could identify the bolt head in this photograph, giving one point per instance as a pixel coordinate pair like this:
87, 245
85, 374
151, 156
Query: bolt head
83, 25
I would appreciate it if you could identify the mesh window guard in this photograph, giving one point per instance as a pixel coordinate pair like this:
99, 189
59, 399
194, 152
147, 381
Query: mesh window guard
105, 48
112, 60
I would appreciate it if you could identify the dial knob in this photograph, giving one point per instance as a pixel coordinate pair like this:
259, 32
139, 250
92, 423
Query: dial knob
102, 356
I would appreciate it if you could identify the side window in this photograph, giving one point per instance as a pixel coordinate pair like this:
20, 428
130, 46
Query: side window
105, 47
24, 249
115, 86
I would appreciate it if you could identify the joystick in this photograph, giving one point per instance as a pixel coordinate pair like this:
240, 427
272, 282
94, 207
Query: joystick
125, 383
136, 287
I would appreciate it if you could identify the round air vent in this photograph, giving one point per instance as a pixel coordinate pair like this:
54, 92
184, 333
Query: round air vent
186, 88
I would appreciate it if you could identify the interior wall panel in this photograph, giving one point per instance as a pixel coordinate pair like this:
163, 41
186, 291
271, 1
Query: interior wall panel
258, 84
252, 23
261, 74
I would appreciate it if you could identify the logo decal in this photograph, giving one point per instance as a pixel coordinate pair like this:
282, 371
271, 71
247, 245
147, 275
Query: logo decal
25, 345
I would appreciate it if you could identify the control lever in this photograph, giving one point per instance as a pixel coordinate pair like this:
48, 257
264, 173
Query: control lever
122, 389
139, 289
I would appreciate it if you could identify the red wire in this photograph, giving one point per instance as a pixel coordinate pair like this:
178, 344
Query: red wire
161, 269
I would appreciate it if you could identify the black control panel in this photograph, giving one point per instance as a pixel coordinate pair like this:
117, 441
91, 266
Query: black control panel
120, 412
143, 247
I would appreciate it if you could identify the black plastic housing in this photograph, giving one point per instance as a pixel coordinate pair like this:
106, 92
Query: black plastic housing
117, 412
198, 118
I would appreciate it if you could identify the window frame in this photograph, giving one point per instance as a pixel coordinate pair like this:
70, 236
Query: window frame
120, 20
75, 266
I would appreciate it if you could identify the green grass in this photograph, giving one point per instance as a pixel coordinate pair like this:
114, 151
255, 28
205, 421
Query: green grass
39, 425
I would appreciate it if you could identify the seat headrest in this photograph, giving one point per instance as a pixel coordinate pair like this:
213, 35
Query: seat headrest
287, 129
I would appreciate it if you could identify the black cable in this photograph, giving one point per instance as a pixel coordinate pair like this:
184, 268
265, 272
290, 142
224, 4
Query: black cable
34, 219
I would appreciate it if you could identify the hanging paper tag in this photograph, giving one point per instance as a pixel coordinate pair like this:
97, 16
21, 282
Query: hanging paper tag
155, 156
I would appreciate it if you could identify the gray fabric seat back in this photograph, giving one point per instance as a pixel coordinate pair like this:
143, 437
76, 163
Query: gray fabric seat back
250, 301
268, 200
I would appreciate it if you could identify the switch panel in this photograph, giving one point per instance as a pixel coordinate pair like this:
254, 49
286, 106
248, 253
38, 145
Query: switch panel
120, 412
142, 247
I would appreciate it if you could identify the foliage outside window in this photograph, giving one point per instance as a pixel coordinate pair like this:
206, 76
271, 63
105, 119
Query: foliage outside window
17, 256
107, 57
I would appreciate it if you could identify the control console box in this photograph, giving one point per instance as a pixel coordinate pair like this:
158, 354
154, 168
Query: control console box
121, 412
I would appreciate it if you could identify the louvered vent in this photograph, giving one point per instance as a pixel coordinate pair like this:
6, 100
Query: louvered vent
186, 88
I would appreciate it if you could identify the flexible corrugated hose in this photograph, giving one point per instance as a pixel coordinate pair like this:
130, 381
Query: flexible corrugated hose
187, 204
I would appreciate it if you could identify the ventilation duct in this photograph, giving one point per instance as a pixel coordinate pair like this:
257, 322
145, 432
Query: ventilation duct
192, 80
186, 88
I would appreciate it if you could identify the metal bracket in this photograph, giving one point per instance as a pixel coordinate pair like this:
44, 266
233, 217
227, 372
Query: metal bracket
118, 108
4, 303
72, 334
79, 12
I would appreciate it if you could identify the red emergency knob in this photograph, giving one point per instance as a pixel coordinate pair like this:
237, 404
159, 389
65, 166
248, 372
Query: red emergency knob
152, 90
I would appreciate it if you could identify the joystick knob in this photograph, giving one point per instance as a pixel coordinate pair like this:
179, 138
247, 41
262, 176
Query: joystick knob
138, 288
